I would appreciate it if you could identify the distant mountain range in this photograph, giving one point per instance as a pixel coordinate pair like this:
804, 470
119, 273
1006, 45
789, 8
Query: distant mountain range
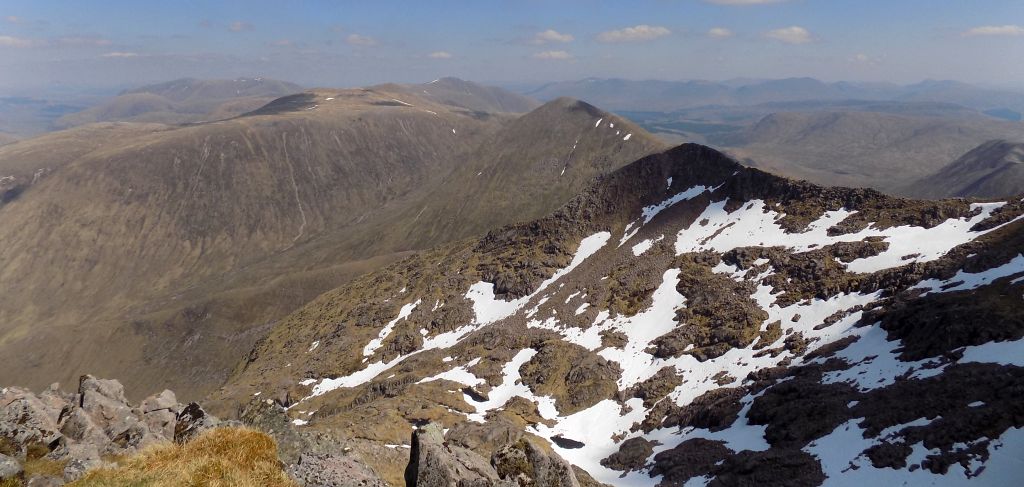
667, 96
183, 100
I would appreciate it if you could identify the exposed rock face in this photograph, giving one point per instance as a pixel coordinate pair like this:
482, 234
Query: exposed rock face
326, 470
762, 331
78, 430
435, 462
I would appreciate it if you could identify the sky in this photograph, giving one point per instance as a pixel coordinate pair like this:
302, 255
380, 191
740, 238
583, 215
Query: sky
86, 44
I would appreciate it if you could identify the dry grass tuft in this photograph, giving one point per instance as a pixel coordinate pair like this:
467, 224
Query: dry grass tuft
218, 458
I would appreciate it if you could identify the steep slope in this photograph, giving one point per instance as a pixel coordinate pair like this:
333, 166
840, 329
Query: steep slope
994, 169
31, 160
878, 150
232, 225
686, 318
183, 100
469, 95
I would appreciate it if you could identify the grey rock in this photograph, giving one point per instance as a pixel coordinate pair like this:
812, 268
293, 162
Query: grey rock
10, 468
192, 421
107, 388
332, 470
27, 422
526, 464
78, 426
435, 463
76, 468
44, 481
165, 401
271, 418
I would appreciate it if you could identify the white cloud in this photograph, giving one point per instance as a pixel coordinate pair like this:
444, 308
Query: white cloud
861, 58
281, 43
791, 35
14, 19
360, 40
744, 2
440, 55
553, 55
121, 54
551, 35
720, 33
239, 26
642, 32
995, 30
82, 41
8, 41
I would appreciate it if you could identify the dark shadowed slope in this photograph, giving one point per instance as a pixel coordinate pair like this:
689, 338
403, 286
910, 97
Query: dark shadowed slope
994, 169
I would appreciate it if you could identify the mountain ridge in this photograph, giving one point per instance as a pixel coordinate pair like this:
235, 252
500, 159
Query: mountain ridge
591, 326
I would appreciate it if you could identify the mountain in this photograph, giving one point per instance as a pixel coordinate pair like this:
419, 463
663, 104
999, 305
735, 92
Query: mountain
684, 318
184, 245
964, 94
469, 95
184, 100
994, 169
885, 151
668, 96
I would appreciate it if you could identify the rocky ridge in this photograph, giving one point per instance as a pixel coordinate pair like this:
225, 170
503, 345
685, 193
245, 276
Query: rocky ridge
684, 319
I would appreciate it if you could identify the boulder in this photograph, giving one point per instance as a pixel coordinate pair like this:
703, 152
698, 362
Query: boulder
333, 470
525, 463
192, 421
27, 424
10, 468
435, 463
270, 417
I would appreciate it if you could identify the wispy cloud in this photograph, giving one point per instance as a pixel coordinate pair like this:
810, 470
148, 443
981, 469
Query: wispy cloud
744, 2
720, 33
10, 41
642, 32
360, 40
239, 26
82, 41
550, 36
14, 19
281, 43
118, 54
994, 31
440, 55
864, 59
791, 35
552, 55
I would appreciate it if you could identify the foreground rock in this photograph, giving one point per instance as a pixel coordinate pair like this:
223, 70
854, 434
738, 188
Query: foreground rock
75, 432
435, 462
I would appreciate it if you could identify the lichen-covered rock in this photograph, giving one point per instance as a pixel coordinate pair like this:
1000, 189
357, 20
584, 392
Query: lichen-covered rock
10, 469
526, 464
436, 463
271, 418
192, 420
332, 470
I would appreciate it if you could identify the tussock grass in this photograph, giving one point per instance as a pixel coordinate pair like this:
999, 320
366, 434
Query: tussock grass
220, 457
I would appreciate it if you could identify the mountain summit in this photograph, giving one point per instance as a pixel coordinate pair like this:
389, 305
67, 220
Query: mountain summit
685, 319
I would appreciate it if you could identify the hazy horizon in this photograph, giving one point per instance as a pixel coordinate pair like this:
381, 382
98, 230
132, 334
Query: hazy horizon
63, 45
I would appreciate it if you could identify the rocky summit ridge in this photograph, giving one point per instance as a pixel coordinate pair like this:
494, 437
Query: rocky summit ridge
684, 320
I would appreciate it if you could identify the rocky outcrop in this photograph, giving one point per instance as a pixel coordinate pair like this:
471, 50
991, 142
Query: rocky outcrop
435, 462
78, 431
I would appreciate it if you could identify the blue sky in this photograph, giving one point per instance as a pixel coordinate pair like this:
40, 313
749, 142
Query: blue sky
67, 44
